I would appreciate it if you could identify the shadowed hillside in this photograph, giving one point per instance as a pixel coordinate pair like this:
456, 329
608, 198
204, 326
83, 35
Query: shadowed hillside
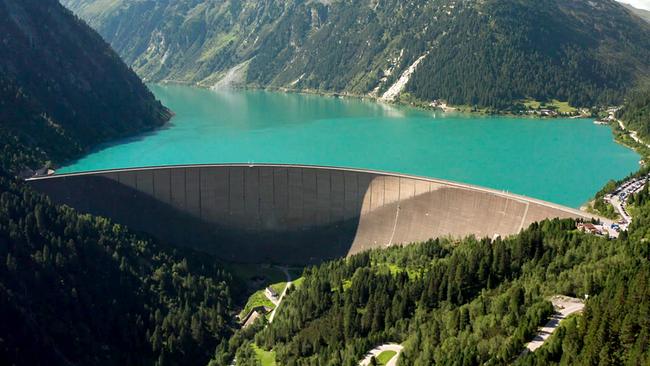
62, 88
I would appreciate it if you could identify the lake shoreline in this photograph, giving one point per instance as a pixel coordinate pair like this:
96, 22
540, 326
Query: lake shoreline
365, 97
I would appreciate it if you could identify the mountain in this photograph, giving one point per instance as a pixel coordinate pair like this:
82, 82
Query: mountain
489, 53
63, 89
77, 289
642, 13
471, 302
81, 290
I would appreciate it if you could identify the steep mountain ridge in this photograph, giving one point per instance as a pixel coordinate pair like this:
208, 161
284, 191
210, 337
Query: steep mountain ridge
641, 13
63, 89
489, 53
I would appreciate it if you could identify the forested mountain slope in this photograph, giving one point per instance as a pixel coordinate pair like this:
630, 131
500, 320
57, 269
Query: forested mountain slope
488, 53
80, 290
62, 88
470, 302
636, 113
76, 289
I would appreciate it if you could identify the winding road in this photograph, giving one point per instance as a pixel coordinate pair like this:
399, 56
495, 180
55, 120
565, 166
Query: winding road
633, 133
618, 205
284, 292
564, 306
378, 350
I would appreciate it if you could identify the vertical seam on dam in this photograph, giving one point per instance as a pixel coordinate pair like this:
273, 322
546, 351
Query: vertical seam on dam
370, 193
523, 217
259, 198
153, 184
170, 186
330, 207
200, 196
392, 236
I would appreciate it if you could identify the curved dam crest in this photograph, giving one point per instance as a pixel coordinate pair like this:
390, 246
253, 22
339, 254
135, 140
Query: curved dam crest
293, 214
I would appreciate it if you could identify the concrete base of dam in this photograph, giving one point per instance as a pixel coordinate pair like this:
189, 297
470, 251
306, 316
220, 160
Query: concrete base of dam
293, 214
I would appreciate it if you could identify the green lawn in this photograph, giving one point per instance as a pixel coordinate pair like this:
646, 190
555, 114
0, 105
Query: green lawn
298, 282
532, 104
267, 358
279, 287
394, 269
561, 107
385, 356
258, 298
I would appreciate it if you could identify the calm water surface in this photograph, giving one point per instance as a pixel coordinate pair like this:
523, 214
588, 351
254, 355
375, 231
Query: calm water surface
563, 161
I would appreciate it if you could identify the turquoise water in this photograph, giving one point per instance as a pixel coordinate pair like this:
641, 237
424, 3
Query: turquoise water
563, 161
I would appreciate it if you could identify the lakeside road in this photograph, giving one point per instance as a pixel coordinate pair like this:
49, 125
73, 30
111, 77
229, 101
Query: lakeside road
564, 306
397, 348
633, 133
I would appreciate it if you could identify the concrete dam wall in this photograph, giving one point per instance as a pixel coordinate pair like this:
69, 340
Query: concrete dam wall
293, 214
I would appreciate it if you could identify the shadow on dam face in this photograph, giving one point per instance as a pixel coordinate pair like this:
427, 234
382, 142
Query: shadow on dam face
293, 214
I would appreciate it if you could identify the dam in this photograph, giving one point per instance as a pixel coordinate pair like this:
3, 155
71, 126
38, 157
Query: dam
293, 214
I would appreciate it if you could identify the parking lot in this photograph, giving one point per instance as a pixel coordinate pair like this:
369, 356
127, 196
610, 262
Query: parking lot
620, 197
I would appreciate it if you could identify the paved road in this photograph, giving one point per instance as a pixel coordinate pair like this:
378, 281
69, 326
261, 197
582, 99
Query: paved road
564, 306
633, 133
284, 292
621, 211
384, 347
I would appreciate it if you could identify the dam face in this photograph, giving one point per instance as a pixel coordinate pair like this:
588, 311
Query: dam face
293, 214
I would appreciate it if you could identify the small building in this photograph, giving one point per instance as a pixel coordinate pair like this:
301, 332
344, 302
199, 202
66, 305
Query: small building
548, 113
42, 172
254, 314
271, 293
589, 228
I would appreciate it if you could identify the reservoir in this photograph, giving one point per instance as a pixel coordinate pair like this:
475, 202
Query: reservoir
559, 160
